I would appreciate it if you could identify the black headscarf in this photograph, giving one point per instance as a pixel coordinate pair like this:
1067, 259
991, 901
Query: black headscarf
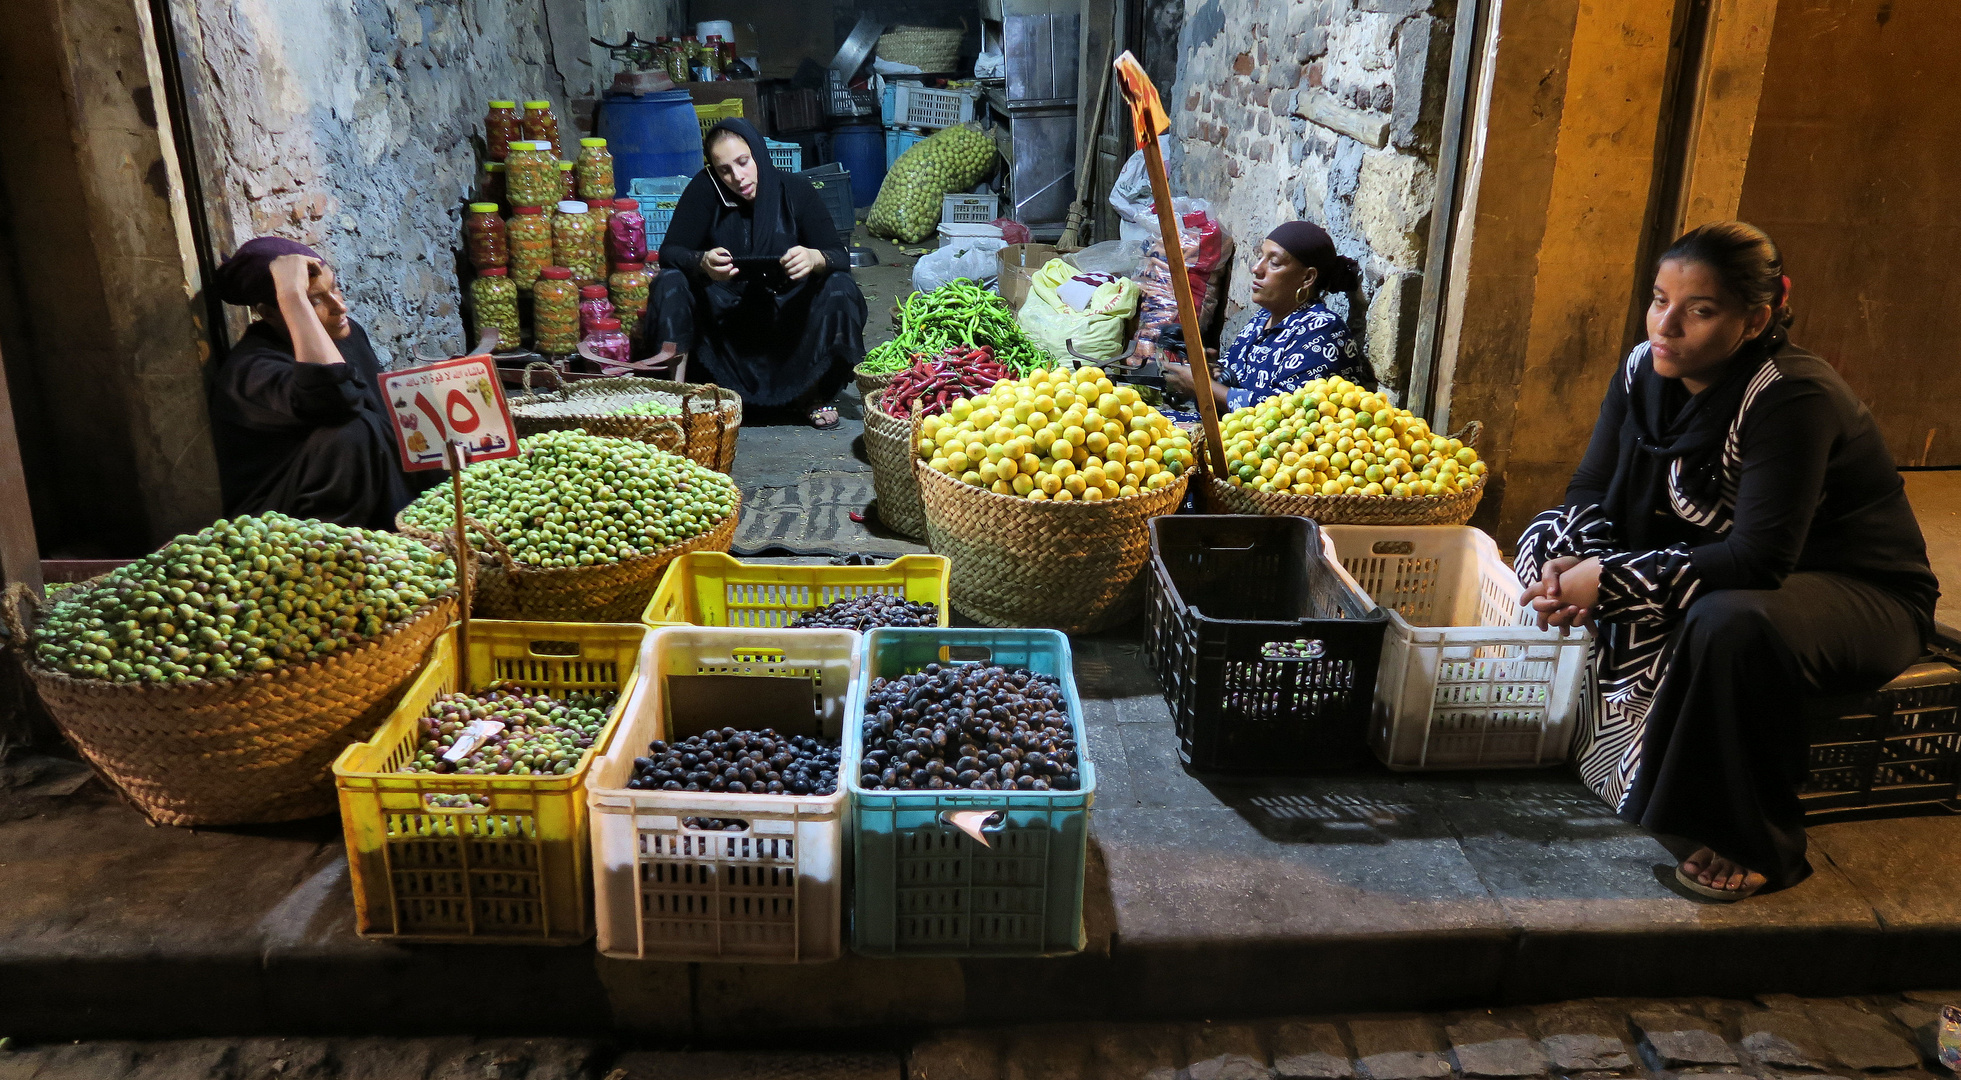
1310, 245
1664, 422
246, 278
765, 227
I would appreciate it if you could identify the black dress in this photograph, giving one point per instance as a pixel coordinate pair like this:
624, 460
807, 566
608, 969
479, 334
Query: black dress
793, 347
310, 440
1756, 548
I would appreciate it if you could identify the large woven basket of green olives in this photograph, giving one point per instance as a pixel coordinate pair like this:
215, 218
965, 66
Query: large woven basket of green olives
698, 421
212, 682
579, 527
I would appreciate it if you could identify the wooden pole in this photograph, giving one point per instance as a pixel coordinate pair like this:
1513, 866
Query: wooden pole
20, 553
456, 456
1150, 123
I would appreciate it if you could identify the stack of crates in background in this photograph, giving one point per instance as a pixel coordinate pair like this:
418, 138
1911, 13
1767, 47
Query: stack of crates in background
658, 196
907, 106
898, 141
1895, 750
969, 209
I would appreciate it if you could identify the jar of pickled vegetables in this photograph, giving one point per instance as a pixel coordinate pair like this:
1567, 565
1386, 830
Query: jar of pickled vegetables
541, 126
531, 175
680, 62
576, 243
595, 170
608, 340
602, 213
500, 126
490, 182
594, 305
568, 180
493, 296
483, 234
530, 235
630, 285
555, 311
627, 232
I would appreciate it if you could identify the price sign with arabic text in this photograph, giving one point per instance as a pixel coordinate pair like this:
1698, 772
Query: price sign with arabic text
458, 400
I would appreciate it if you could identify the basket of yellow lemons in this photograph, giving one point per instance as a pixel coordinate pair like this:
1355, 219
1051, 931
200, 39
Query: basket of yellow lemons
1339, 454
1039, 491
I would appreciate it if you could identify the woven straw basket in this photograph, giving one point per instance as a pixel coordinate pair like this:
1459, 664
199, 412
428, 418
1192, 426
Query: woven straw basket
1074, 567
888, 442
238, 751
927, 48
1454, 509
614, 592
869, 384
714, 415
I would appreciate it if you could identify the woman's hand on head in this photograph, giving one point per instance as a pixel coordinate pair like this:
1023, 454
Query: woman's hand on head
718, 264
801, 262
293, 274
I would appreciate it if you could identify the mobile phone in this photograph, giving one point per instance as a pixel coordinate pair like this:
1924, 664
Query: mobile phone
762, 268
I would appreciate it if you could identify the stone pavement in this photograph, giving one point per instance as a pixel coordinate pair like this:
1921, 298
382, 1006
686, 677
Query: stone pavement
1770, 1037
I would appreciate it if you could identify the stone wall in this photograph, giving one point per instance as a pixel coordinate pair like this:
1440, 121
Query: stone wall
356, 126
1325, 110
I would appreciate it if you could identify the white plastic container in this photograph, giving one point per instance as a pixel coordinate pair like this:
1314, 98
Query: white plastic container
1467, 680
969, 209
951, 235
771, 891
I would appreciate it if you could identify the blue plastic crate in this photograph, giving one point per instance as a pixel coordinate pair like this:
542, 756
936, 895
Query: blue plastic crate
898, 141
923, 887
785, 155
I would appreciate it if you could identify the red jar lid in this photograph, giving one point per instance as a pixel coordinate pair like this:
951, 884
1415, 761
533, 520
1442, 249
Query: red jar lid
593, 292
529, 209
556, 273
617, 267
494, 271
606, 324
626, 204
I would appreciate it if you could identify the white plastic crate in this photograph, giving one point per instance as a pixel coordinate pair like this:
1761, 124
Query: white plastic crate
923, 107
769, 892
969, 209
1467, 678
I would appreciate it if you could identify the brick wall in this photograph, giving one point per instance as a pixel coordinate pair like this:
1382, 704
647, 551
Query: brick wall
1325, 110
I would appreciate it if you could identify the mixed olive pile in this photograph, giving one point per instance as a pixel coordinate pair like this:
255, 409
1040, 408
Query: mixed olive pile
739, 762
987, 728
573, 499
866, 612
541, 736
242, 596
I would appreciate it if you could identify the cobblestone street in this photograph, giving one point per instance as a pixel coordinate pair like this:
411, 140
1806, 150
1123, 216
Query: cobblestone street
1774, 1037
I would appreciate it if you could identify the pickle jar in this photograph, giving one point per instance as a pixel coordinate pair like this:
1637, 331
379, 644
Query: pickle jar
493, 296
627, 232
500, 125
555, 312
595, 167
576, 243
606, 339
680, 62
541, 126
602, 213
567, 180
490, 183
531, 176
530, 235
630, 285
483, 234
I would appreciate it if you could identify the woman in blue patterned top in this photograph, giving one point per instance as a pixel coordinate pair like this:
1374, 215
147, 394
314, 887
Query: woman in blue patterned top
1298, 339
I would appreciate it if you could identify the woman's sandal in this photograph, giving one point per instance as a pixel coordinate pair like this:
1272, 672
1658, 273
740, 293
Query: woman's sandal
824, 417
1752, 882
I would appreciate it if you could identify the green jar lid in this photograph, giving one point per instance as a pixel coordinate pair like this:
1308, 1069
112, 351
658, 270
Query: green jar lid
536, 105
503, 104
483, 208
592, 142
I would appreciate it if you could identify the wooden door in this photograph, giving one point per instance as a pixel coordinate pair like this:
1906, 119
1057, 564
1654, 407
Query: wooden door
1855, 171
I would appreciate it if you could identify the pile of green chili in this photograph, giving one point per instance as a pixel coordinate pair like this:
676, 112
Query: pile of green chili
959, 313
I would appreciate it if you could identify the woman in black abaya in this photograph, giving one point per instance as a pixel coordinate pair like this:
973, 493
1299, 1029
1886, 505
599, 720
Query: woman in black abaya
785, 336
1739, 535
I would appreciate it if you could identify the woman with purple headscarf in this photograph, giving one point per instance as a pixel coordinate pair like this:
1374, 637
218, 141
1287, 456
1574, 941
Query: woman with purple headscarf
1296, 339
296, 412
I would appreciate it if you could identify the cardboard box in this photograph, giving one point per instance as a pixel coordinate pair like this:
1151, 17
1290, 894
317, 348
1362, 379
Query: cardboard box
1018, 265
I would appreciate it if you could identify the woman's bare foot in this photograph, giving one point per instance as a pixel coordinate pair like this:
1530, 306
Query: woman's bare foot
1712, 875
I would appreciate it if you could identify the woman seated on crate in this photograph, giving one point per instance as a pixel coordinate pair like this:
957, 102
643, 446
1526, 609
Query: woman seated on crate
1298, 339
785, 333
296, 412
1741, 539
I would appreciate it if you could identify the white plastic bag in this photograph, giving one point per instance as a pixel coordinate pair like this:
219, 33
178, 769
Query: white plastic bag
1131, 195
1124, 259
1098, 332
974, 259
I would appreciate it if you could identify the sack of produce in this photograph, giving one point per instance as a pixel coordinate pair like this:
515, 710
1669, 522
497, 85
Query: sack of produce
949, 161
650, 410
925, 389
578, 527
1339, 454
213, 681
1048, 529
1098, 329
962, 315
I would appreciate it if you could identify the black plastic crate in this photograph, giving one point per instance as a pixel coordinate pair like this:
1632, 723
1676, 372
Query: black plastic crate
1228, 595
833, 184
1895, 750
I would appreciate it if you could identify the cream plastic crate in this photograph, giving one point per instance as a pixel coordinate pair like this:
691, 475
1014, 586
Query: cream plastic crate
1467, 681
772, 892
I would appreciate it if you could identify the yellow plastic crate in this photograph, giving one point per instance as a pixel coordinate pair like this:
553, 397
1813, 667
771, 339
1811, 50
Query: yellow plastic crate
708, 588
517, 870
710, 115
